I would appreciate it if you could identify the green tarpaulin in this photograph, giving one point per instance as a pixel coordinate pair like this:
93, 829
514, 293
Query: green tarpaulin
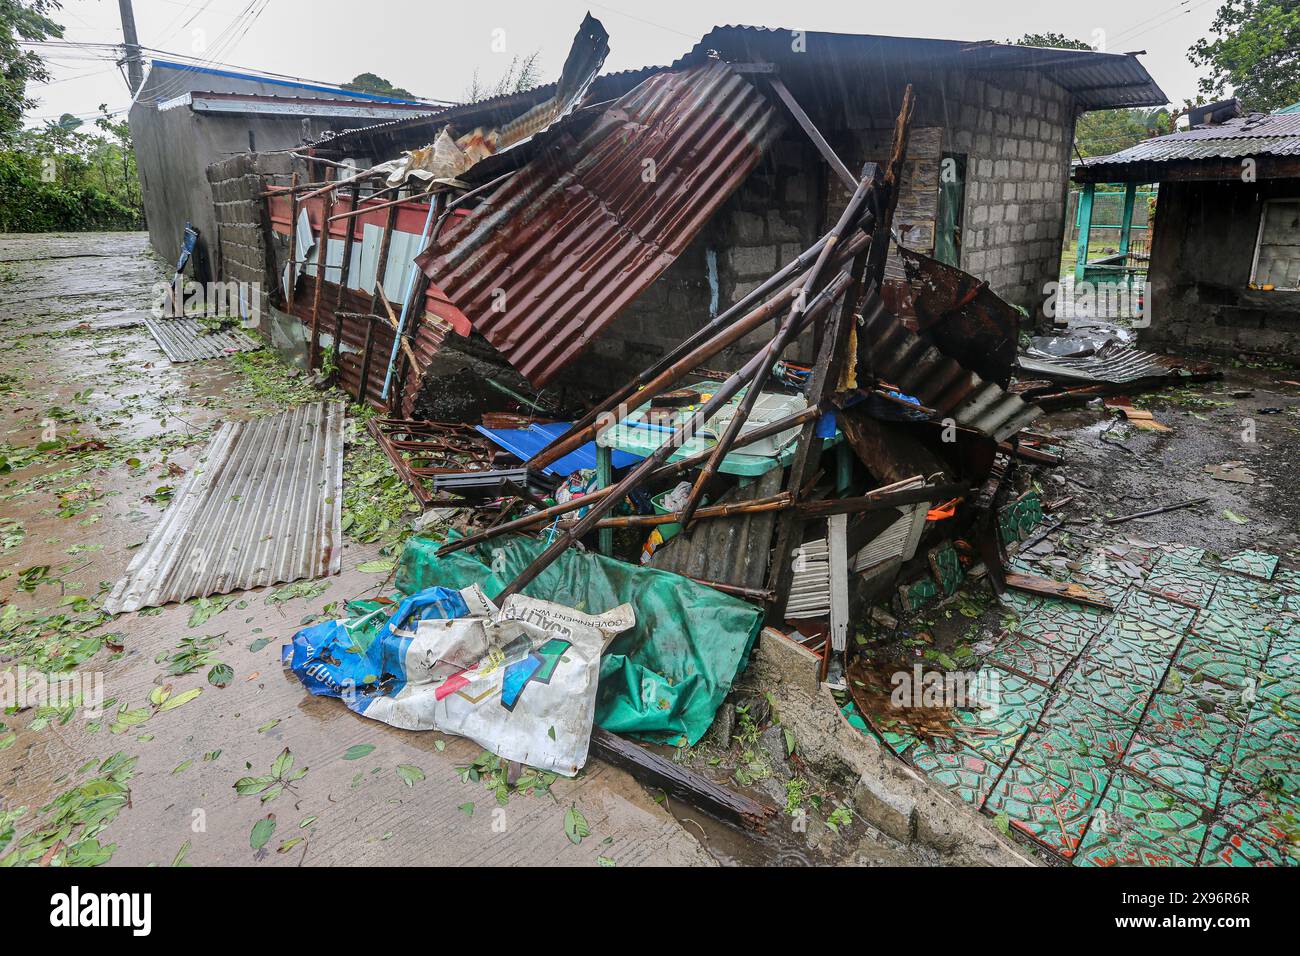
665, 678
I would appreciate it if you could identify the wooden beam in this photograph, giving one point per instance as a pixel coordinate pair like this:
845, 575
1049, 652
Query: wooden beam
678, 782
805, 122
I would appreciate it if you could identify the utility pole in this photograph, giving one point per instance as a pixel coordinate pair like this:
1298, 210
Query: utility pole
134, 67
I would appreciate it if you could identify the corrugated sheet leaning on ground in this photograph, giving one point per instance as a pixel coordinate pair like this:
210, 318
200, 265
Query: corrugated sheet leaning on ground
262, 507
183, 339
555, 254
915, 367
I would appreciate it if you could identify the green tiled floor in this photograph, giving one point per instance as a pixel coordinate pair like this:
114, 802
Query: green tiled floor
1166, 733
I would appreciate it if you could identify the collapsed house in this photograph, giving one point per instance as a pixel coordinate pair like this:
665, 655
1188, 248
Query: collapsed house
668, 356
1224, 268
744, 190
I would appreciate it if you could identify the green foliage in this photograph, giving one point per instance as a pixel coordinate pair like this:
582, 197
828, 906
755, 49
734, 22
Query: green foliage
1103, 132
373, 83
520, 75
28, 203
21, 20
1254, 49
1057, 40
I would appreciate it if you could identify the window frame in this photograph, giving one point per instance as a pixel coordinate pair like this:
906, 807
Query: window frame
1259, 240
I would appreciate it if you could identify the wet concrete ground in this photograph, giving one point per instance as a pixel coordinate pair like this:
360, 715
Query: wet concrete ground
117, 426
78, 368
1164, 732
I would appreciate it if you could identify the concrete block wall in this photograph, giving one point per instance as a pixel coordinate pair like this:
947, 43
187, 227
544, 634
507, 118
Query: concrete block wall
243, 254
1202, 253
1017, 130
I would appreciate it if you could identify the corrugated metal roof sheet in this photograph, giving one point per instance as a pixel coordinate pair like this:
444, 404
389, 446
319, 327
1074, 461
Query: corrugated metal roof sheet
262, 507
732, 550
183, 339
553, 256
1097, 80
1117, 365
914, 366
505, 103
1272, 134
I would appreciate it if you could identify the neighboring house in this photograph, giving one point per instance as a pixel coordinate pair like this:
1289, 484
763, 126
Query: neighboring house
1225, 255
185, 118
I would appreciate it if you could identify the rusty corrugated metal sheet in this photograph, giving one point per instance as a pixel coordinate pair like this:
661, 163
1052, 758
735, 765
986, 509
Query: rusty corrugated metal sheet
897, 355
262, 507
543, 266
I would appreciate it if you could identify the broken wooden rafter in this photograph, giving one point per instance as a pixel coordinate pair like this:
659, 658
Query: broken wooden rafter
678, 782
813, 133
1064, 590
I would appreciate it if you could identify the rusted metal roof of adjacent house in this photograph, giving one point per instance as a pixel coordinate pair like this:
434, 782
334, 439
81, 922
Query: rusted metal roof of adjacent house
1270, 134
902, 358
262, 507
555, 254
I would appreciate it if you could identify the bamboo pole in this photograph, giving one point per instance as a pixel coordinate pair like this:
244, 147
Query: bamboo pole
778, 345
754, 506
567, 441
671, 372
528, 522
322, 256
638, 474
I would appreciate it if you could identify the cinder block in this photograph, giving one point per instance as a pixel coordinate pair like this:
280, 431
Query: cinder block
886, 808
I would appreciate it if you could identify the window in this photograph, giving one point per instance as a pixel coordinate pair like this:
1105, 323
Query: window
1277, 250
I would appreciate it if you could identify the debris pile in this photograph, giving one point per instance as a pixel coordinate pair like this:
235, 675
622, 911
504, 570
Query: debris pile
724, 486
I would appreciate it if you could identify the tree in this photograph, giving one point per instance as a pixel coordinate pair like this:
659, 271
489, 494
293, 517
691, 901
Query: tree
21, 20
1058, 40
1102, 132
520, 75
373, 83
1254, 48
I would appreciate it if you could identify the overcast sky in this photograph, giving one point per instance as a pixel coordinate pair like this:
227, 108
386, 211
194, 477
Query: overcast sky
402, 40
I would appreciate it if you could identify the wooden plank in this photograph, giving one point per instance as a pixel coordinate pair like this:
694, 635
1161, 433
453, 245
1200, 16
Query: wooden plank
836, 164
1065, 590
837, 544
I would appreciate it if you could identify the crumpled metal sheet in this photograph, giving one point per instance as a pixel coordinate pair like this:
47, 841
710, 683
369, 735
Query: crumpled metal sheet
1114, 364
555, 254
182, 339
262, 507
897, 355
962, 316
